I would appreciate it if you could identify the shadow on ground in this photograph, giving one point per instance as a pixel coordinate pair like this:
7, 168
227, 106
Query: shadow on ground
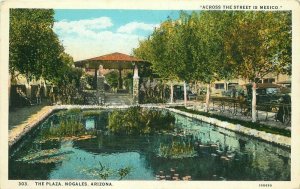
20, 115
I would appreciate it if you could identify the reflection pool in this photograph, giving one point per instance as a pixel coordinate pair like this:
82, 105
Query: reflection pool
194, 150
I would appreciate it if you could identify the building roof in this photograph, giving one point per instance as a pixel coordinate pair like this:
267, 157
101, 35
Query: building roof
284, 82
111, 61
264, 85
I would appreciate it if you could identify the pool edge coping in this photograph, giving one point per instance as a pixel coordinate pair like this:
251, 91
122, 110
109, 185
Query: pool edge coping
19, 131
269, 137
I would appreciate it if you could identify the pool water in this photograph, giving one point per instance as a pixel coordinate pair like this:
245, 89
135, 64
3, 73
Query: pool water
194, 150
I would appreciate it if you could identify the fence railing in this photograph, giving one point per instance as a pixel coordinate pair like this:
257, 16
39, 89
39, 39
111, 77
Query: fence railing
269, 111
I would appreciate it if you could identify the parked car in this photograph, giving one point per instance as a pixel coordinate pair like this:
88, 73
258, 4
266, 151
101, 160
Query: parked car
266, 93
179, 93
191, 95
234, 92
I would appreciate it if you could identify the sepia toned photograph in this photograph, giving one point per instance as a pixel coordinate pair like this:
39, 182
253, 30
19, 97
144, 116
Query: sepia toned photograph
102, 95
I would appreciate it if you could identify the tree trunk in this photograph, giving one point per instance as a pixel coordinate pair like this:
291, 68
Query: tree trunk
184, 93
95, 79
45, 89
172, 92
207, 98
9, 87
28, 88
163, 87
253, 102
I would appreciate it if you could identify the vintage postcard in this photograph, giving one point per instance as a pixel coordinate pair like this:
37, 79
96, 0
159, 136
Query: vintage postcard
150, 94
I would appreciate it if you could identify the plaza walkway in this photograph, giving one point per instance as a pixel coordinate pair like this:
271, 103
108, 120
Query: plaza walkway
261, 115
18, 116
26, 118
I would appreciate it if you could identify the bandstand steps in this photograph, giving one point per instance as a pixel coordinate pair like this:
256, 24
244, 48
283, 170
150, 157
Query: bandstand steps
118, 99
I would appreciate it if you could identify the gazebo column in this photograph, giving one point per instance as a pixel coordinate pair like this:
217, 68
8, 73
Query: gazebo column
135, 88
100, 85
95, 79
82, 80
120, 79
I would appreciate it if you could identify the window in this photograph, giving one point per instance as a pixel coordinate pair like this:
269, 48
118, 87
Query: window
219, 86
269, 80
272, 91
261, 91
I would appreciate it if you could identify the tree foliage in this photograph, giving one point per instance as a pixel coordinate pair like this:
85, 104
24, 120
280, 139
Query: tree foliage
112, 78
35, 52
158, 49
67, 79
259, 43
34, 49
186, 49
189, 48
213, 45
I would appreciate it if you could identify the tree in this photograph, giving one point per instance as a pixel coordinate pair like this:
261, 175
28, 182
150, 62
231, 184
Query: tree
207, 49
189, 48
35, 52
34, 48
112, 78
182, 43
261, 45
158, 49
67, 79
195, 47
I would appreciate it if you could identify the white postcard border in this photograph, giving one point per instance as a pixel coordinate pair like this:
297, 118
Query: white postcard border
293, 5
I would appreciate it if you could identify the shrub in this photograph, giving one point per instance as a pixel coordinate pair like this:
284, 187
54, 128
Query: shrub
136, 120
91, 113
74, 111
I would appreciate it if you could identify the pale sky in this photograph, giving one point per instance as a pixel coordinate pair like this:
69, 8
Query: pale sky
90, 33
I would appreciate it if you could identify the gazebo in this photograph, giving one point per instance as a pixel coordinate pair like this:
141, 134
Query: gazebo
117, 61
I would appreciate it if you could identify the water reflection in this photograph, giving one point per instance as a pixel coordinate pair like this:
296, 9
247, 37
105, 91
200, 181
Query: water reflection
193, 151
90, 123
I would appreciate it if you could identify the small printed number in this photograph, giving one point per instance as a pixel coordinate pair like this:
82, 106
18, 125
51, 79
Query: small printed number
22, 183
265, 185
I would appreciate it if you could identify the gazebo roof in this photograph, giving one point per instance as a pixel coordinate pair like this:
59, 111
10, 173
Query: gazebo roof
111, 61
